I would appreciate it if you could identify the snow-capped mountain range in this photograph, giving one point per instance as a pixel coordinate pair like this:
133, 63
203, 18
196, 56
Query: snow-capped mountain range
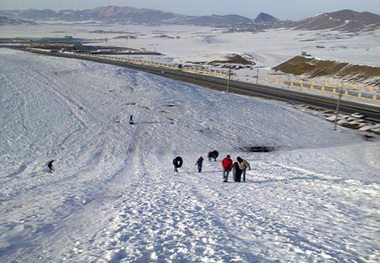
345, 20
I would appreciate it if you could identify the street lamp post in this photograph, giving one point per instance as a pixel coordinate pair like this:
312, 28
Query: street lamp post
228, 80
337, 107
257, 76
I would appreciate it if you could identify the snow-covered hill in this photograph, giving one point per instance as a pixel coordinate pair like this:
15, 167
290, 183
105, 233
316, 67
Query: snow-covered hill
114, 196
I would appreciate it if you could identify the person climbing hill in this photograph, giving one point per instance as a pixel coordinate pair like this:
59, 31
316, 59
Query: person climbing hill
227, 166
131, 119
51, 166
213, 154
177, 162
199, 163
243, 165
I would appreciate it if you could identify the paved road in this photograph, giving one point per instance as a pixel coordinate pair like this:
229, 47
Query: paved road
372, 112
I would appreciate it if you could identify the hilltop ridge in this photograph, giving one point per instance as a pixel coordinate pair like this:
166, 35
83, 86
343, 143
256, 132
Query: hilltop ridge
344, 20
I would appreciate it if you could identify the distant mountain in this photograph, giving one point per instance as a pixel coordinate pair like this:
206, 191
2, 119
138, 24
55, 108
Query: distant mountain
106, 14
133, 15
7, 21
137, 16
129, 14
10, 21
216, 20
345, 20
264, 18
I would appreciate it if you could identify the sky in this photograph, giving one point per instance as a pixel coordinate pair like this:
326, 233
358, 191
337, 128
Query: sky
283, 9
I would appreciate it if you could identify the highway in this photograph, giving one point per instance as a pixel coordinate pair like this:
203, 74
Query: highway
372, 112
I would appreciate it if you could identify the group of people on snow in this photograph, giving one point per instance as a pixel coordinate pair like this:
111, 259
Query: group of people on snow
240, 166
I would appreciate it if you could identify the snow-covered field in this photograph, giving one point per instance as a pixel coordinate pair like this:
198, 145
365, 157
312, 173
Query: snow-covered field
194, 44
202, 44
114, 196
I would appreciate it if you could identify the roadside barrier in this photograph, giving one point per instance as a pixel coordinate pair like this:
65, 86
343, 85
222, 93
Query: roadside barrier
192, 69
367, 93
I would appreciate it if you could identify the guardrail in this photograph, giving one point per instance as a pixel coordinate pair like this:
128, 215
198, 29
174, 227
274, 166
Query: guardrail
368, 93
197, 70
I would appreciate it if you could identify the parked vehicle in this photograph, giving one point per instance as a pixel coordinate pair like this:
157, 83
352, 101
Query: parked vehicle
357, 115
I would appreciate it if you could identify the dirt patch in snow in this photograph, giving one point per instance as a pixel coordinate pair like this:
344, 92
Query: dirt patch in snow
234, 59
313, 67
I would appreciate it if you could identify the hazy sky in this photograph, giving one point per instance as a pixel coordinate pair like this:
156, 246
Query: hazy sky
283, 9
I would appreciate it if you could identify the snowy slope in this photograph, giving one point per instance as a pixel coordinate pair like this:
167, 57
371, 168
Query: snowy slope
115, 198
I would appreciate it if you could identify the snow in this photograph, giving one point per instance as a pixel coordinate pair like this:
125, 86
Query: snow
114, 196
194, 44
271, 47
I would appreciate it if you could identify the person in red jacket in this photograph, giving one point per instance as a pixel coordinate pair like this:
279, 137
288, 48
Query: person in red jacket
227, 166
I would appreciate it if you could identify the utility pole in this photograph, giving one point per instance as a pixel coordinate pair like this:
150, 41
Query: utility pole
228, 80
257, 76
337, 107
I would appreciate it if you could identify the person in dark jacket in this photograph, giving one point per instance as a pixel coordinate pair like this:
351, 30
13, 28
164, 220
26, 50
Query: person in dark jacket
51, 166
209, 155
227, 166
199, 163
177, 162
213, 154
131, 119
243, 165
